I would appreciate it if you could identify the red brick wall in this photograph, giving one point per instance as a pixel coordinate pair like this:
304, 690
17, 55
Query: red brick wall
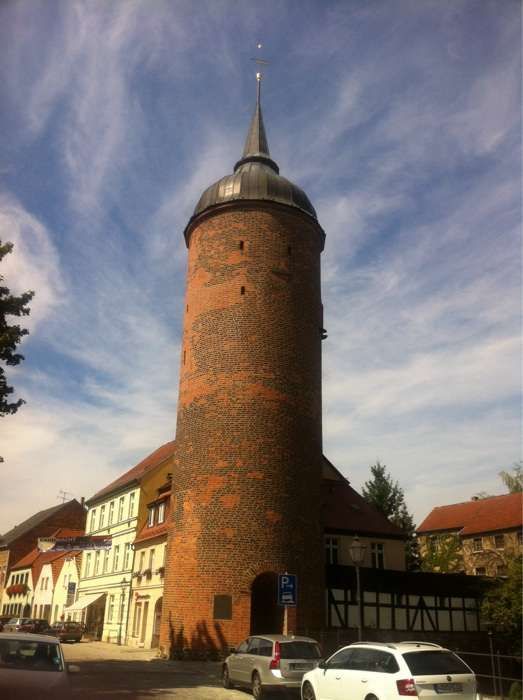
246, 491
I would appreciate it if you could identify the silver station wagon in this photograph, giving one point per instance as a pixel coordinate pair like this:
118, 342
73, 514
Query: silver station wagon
267, 662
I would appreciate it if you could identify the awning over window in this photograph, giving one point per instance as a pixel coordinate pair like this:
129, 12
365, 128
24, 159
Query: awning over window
84, 602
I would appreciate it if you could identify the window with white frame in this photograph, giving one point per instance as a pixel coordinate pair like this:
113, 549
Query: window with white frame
377, 555
131, 504
161, 512
151, 559
111, 512
331, 550
93, 518
116, 558
110, 612
142, 561
150, 516
88, 564
477, 544
102, 517
120, 508
127, 556
96, 563
105, 568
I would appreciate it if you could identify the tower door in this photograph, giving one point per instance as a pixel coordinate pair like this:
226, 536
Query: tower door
266, 614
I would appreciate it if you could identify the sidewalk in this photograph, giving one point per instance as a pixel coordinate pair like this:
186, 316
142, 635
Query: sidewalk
104, 651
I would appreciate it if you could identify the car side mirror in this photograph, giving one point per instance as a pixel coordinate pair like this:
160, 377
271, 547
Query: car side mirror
323, 664
73, 668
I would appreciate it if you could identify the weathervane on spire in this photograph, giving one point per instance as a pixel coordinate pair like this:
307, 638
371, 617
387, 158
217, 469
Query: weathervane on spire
259, 62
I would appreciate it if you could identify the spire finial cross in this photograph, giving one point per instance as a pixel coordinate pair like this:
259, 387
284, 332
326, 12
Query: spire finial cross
259, 62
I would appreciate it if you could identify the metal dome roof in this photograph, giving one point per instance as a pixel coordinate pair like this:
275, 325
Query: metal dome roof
255, 180
256, 176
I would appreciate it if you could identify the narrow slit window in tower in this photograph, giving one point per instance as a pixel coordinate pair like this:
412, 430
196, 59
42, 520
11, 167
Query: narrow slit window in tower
241, 245
184, 356
289, 250
242, 291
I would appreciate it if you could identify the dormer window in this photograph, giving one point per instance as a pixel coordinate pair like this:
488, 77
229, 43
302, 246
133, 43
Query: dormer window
150, 517
161, 512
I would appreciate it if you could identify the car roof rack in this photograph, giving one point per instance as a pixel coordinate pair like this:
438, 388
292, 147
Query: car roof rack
421, 644
390, 645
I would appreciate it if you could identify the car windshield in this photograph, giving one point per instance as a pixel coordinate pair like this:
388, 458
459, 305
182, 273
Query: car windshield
433, 663
30, 656
299, 650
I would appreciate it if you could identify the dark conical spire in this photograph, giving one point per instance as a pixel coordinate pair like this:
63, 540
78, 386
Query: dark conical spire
256, 147
256, 177
256, 141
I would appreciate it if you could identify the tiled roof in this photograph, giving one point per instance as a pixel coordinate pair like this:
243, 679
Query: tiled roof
158, 530
343, 509
56, 559
31, 523
138, 471
36, 559
149, 533
473, 517
35, 554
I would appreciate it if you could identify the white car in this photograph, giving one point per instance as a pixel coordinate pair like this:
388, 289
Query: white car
32, 666
389, 671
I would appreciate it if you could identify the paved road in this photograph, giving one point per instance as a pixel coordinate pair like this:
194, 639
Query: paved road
117, 673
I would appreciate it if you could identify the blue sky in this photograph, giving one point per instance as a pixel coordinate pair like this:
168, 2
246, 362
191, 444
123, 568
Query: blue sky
400, 119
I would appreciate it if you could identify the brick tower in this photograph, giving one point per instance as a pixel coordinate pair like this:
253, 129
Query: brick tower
246, 485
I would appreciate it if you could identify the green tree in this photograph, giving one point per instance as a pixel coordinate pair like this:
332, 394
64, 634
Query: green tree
502, 607
10, 335
443, 554
514, 481
387, 496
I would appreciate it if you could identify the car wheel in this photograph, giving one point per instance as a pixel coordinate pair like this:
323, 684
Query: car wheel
226, 679
307, 692
257, 687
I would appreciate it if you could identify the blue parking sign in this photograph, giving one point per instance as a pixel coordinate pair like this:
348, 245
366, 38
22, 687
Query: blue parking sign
287, 589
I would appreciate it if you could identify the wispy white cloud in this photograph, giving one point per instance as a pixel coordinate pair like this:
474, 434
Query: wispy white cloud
33, 264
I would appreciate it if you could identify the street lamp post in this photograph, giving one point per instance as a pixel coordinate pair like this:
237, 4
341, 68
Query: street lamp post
123, 583
357, 553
